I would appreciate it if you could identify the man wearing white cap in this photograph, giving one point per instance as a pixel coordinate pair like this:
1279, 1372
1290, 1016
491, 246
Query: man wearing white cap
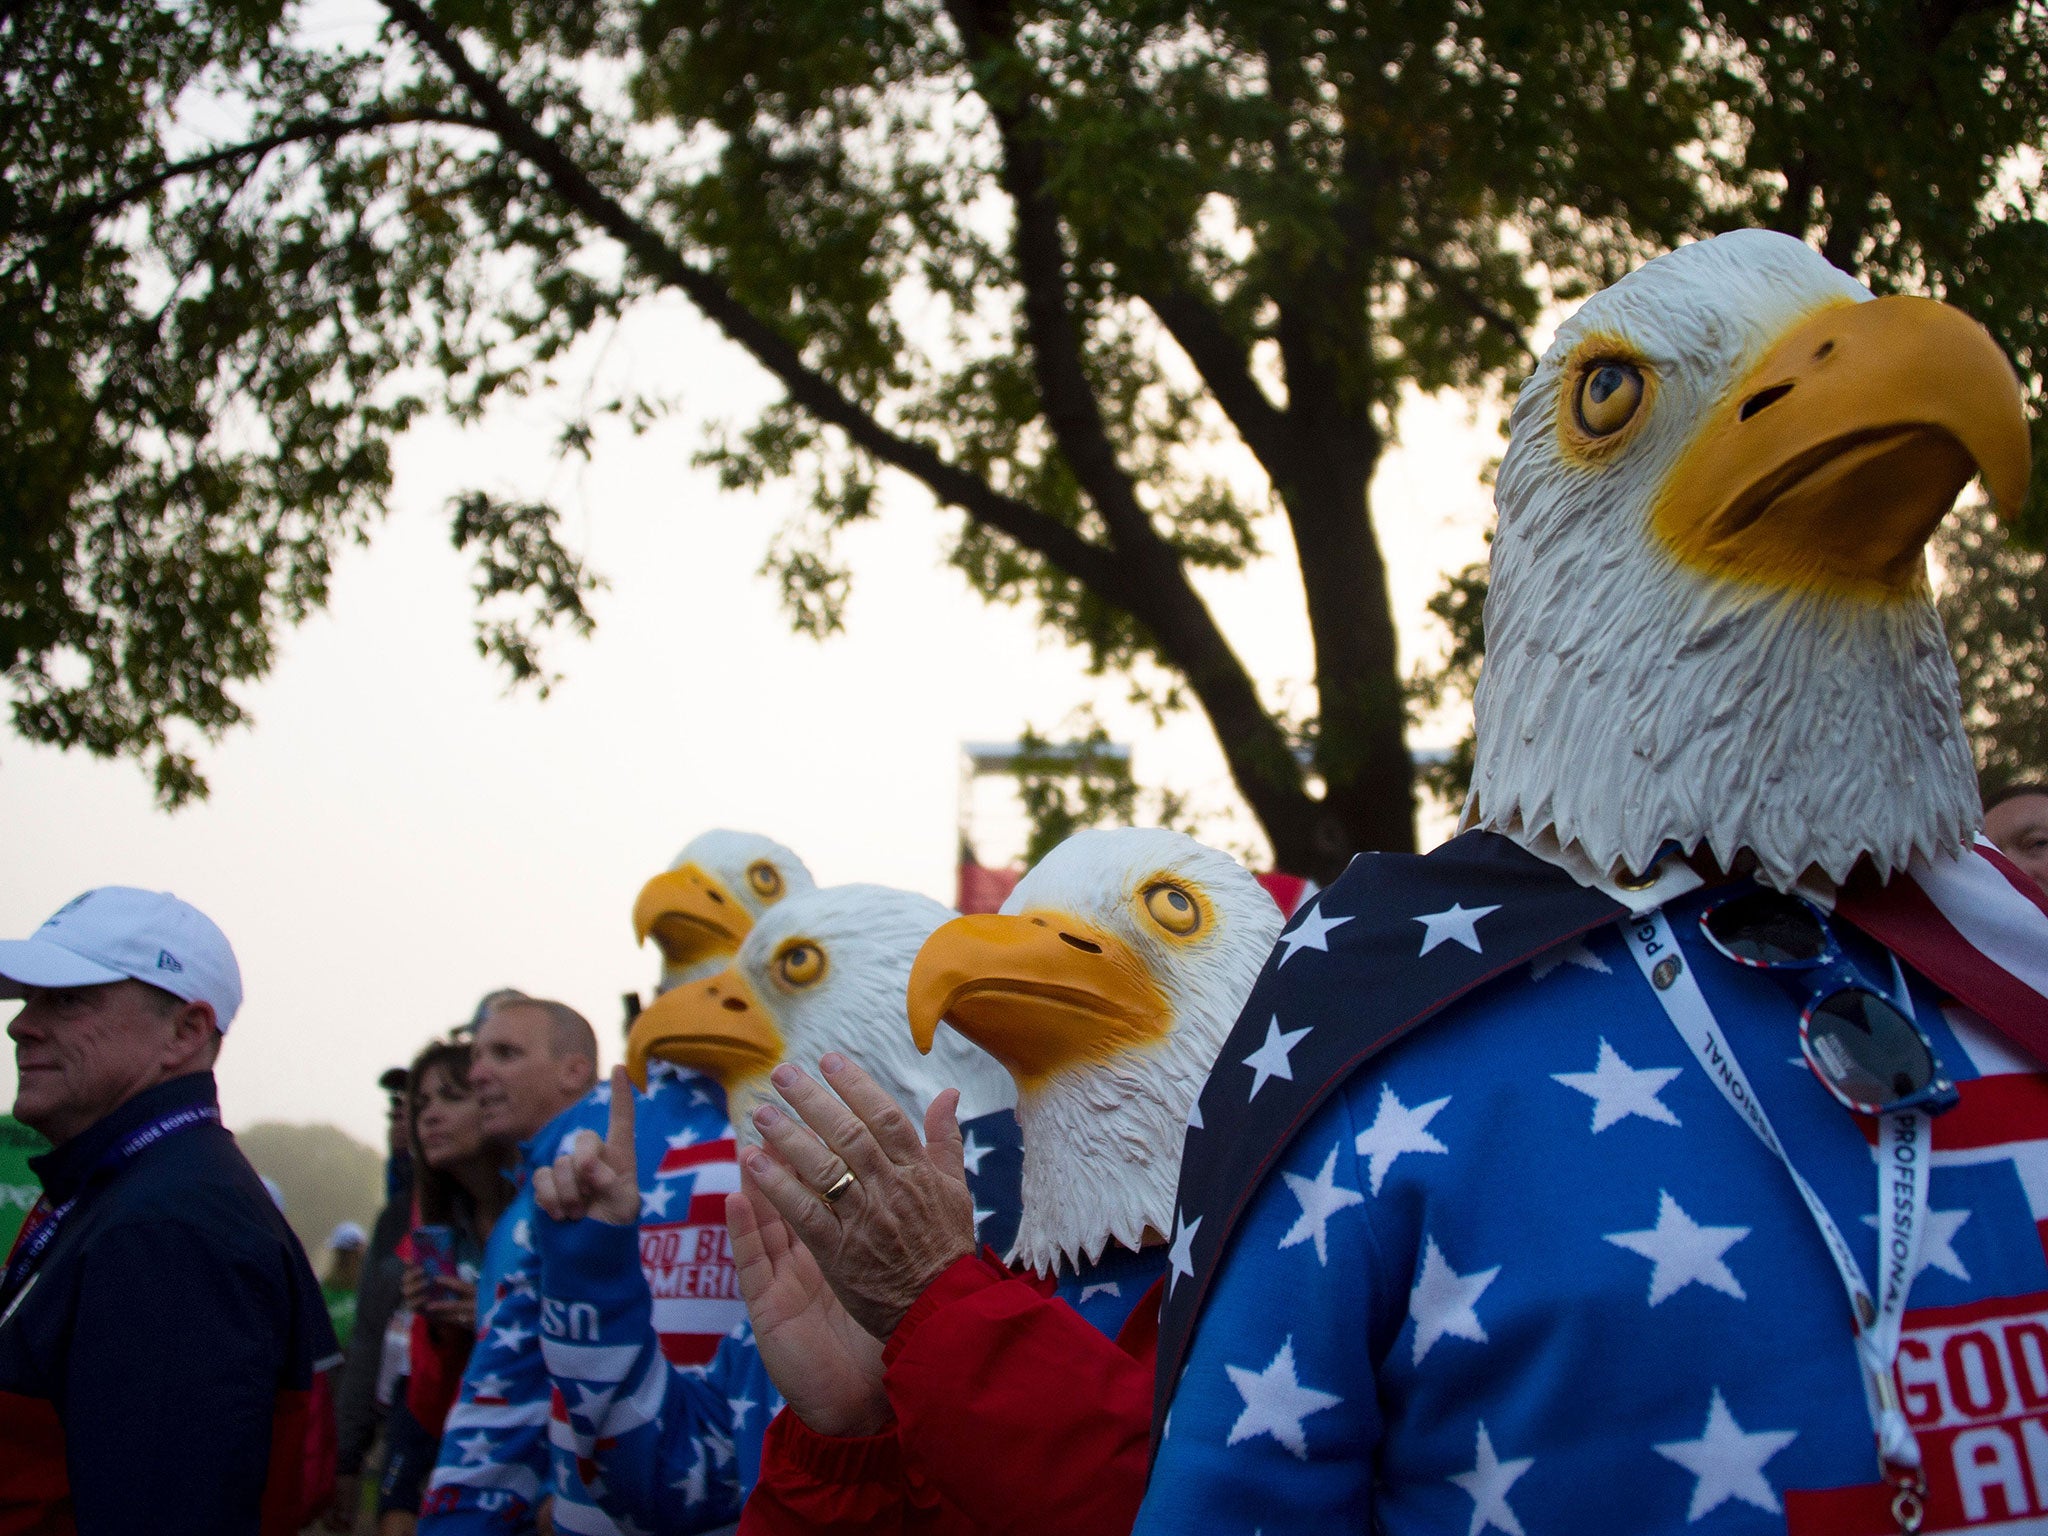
160, 1329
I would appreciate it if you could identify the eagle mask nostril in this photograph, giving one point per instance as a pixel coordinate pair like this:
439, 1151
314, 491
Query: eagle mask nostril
734, 1005
1764, 399
1082, 944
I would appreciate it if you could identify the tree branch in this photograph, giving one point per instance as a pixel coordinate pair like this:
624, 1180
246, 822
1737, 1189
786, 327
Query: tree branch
1142, 576
1323, 312
1051, 325
1225, 367
1086, 562
1153, 586
1794, 213
1452, 285
62, 219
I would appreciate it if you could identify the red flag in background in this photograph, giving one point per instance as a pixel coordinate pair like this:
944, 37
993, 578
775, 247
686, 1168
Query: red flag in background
1288, 891
983, 889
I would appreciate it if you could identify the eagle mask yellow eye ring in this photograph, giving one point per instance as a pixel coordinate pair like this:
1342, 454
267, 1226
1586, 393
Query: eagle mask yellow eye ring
1174, 908
799, 964
764, 879
1607, 395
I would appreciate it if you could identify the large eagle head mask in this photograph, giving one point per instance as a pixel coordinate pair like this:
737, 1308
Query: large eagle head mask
1710, 621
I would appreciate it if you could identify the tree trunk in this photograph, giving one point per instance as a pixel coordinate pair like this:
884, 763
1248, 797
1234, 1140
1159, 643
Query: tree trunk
1361, 755
1361, 752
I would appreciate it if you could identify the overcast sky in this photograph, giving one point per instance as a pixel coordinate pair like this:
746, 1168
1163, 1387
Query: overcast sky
396, 835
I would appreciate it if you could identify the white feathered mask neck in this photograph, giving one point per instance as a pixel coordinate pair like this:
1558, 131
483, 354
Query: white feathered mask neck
825, 970
1709, 620
1106, 985
699, 909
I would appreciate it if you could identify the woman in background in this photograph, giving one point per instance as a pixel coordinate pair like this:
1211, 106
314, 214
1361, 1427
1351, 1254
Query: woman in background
460, 1189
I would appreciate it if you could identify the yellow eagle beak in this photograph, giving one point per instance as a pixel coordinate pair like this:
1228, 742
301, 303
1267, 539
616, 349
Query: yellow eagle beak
1830, 465
716, 1026
690, 916
1039, 992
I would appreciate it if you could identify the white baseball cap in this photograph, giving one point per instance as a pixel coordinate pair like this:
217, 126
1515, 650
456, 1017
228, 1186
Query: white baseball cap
120, 933
348, 1235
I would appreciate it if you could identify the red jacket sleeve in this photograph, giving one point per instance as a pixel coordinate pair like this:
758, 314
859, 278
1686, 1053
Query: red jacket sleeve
1020, 1414
813, 1483
1013, 1415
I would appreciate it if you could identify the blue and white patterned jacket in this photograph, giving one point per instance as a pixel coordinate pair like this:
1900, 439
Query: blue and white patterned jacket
503, 1450
671, 1445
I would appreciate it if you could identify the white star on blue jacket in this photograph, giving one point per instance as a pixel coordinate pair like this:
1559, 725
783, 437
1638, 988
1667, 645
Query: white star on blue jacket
1487, 1485
1311, 930
1270, 1060
1619, 1090
1321, 1198
1396, 1129
1454, 925
1275, 1403
1728, 1463
1682, 1252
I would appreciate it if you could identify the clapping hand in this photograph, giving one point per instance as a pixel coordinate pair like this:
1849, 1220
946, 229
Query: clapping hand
903, 1217
826, 1366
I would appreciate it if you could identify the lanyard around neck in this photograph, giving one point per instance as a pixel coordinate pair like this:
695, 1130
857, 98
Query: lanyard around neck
1902, 1179
40, 1229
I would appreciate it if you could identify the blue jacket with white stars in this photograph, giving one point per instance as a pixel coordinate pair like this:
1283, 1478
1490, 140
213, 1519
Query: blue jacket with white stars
668, 1444
659, 1446
508, 1441
1526, 1270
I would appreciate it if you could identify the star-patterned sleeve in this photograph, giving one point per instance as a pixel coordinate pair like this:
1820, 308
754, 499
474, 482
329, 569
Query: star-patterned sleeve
654, 1445
1275, 1421
494, 1448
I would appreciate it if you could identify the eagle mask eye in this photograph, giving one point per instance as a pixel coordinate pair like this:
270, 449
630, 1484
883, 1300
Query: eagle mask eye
800, 964
1610, 393
764, 879
1173, 908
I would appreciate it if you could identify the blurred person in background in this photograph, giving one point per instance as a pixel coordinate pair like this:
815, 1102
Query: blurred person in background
344, 1277
397, 1149
2016, 819
380, 1355
161, 1333
534, 1060
364, 1394
460, 1189
18, 1183
489, 1004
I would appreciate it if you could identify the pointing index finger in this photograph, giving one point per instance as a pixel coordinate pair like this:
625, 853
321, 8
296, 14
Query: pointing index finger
619, 1134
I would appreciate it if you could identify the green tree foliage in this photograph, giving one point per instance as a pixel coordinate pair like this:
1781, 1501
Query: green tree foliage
1906, 168
1994, 602
1066, 786
1047, 261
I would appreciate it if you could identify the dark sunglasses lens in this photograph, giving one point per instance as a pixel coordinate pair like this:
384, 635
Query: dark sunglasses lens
1766, 928
1866, 1049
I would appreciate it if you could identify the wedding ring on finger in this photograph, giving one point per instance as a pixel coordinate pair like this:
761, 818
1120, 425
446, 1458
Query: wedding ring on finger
834, 1192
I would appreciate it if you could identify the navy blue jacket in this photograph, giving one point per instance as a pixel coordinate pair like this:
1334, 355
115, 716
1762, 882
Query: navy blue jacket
156, 1373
